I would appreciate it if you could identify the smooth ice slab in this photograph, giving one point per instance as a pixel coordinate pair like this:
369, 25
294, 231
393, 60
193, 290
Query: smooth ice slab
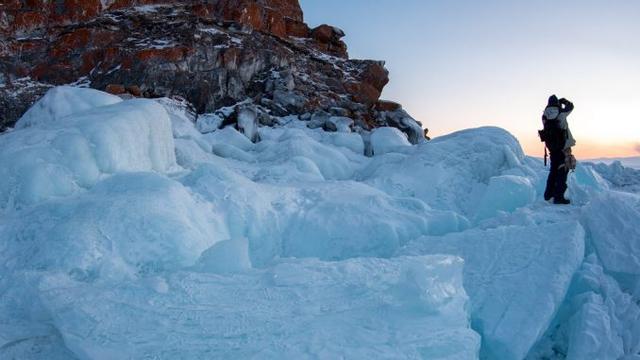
407, 307
612, 221
516, 278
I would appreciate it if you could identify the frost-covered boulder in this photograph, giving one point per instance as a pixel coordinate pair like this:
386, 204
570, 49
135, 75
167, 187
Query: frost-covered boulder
351, 141
63, 101
59, 158
227, 256
386, 139
229, 136
407, 307
342, 124
207, 123
516, 278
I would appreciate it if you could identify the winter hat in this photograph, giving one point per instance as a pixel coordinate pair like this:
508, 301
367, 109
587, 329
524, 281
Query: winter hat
553, 101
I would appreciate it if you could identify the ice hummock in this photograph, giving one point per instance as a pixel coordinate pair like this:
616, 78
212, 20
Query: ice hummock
56, 157
125, 232
63, 101
515, 277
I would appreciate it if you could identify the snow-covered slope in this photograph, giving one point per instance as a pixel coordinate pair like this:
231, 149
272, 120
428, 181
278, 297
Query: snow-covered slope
126, 233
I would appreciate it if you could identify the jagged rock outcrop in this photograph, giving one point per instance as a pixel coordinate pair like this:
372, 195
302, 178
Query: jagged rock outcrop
214, 53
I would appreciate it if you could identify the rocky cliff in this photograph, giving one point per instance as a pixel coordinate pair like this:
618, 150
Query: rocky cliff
214, 53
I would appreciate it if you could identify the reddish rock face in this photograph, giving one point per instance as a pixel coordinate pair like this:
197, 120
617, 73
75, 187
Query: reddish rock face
23, 16
115, 89
385, 105
324, 33
134, 90
27, 15
266, 15
328, 40
209, 55
372, 79
375, 75
297, 28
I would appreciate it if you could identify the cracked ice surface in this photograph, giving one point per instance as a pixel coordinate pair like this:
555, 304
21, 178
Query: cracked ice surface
363, 308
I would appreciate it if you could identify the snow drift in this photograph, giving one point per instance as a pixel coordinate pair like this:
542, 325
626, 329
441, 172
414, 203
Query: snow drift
125, 232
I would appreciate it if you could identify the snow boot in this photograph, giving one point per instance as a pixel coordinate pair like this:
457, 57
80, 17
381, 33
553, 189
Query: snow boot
561, 201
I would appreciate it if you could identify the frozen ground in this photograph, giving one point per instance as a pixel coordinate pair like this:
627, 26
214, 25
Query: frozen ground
126, 233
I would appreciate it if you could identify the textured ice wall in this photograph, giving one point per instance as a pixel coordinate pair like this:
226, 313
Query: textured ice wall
60, 157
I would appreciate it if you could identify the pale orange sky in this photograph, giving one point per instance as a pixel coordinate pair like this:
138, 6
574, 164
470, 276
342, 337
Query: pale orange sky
458, 64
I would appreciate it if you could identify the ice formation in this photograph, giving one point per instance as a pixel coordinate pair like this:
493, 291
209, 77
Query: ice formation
128, 230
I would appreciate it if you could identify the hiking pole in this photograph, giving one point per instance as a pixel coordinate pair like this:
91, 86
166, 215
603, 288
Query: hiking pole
545, 156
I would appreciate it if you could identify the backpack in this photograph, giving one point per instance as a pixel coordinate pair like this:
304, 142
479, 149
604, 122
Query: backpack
553, 136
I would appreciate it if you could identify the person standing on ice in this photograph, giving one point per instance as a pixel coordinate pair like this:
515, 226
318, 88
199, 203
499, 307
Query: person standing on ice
558, 139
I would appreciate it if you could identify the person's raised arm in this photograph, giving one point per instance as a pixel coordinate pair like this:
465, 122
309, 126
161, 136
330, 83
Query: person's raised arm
566, 106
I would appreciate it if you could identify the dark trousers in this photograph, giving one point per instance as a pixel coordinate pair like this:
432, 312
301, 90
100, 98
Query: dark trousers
557, 180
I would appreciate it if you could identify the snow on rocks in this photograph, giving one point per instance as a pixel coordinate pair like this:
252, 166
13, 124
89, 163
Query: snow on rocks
341, 123
209, 123
59, 158
386, 139
516, 278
